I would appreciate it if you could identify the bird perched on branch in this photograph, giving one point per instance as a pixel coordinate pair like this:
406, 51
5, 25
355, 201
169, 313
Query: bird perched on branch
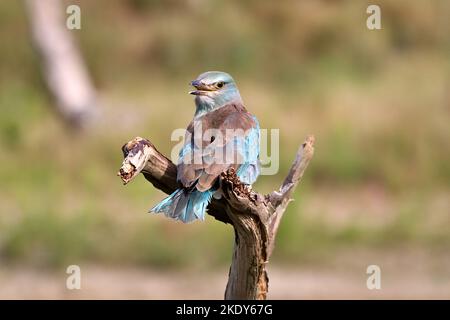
223, 134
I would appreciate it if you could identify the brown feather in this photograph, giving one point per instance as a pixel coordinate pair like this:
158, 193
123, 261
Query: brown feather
232, 116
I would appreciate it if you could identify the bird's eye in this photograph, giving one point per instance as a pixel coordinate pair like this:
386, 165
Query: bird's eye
220, 84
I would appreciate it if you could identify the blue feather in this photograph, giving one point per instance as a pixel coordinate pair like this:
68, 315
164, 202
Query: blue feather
248, 172
185, 206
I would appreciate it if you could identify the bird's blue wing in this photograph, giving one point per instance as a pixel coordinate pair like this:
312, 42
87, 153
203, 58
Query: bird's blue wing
248, 147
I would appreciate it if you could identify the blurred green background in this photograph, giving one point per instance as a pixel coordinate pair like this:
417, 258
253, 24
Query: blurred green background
377, 101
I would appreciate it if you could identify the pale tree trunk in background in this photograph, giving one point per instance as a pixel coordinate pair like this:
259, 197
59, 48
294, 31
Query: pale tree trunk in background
62, 65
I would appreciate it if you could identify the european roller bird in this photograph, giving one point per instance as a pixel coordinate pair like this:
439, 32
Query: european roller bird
223, 134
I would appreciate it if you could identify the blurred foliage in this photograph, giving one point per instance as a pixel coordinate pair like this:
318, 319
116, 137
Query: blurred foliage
377, 101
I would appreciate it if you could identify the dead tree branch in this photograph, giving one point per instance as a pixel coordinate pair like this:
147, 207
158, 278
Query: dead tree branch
255, 217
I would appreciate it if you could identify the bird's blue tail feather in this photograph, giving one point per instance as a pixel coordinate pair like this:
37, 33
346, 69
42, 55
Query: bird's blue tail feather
183, 205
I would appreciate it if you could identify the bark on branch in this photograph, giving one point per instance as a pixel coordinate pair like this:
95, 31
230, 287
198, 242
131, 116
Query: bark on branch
255, 217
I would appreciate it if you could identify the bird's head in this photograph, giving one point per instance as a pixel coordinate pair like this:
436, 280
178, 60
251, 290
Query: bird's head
214, 89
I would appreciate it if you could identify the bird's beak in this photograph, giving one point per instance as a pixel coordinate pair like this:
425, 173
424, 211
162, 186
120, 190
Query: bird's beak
196, 83
202, 89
